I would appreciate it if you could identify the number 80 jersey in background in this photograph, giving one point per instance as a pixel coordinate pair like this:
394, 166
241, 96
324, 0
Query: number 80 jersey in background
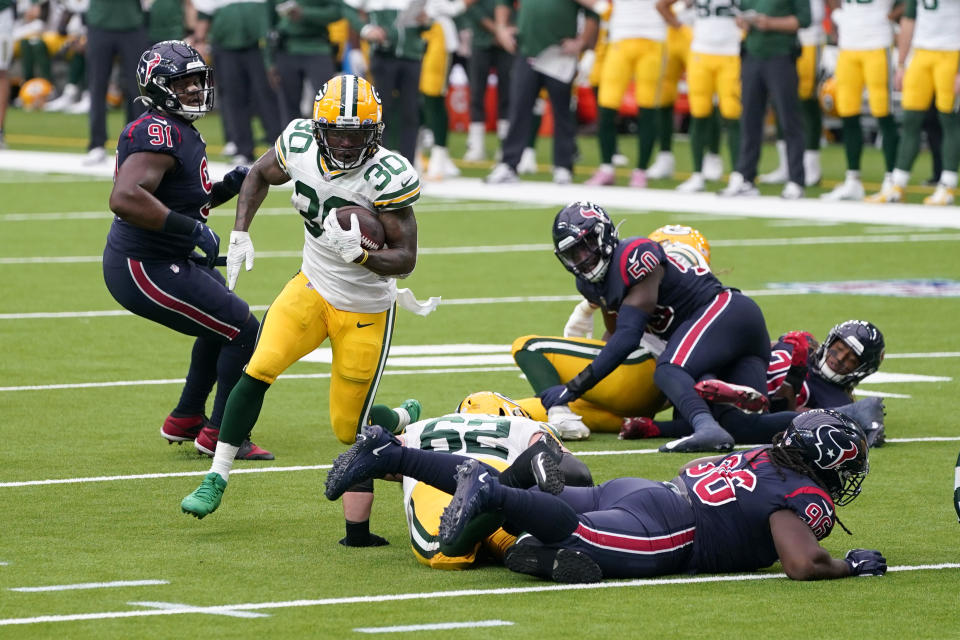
384, 183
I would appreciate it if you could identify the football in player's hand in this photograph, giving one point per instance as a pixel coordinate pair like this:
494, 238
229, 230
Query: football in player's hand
371, 229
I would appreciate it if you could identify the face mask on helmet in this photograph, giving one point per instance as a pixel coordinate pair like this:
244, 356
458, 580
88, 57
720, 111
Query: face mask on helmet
584, 240
347, 121
852, 351
680, 234
492, 403
173, 78
834, 447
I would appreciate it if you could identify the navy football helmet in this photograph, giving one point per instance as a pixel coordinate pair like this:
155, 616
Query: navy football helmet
160, 71
584, 240
834, 447
864, 339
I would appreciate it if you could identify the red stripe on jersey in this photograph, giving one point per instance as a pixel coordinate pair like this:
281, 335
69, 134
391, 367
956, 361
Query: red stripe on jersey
635, 544
692, 338
135, 123
817, 491
165, 300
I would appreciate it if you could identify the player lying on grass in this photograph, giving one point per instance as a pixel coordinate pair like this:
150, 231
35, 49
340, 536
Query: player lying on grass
739, 512
487, 427
801, 375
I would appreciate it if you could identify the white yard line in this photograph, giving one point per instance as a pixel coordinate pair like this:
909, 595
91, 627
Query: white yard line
540, 248
320, 467
436, 626
90, 585
433, 595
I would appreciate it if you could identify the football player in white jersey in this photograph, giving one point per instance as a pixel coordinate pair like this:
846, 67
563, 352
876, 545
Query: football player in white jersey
343, 292
486, 426
713, 69
928, 37
865, 38
636, 51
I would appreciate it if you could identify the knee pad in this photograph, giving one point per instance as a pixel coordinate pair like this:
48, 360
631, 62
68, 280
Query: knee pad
575, 472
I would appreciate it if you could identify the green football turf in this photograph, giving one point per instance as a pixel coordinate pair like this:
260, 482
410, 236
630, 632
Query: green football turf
268, 558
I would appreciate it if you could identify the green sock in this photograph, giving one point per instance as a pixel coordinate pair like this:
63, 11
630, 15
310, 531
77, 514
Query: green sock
950, 123
384, 416
812, 123
853, 142
242, 410
910, 141
607, 134
665, 127
77, 69
891, 140
646, 135
713, 131
26, 59
436, 119
540, 373
698, 134
732, 125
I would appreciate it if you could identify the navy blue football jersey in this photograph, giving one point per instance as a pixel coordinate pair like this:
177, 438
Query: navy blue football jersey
732, 502
682, 292
184, 189
816, 392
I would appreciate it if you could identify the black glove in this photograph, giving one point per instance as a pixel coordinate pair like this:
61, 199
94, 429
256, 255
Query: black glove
866, 562
207, 241
557, 394
234, 178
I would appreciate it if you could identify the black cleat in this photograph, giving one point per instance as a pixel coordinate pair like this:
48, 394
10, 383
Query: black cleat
363, 460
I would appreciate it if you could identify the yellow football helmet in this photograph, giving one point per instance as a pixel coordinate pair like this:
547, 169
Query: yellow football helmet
492, 403
35, 92
347, 121
828, 96
683, 235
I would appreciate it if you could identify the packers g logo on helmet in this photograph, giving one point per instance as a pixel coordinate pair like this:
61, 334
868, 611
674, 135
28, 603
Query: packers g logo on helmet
347, 121
492, 403
682, 234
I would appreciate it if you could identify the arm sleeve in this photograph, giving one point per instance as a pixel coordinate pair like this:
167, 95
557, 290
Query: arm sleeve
631, 323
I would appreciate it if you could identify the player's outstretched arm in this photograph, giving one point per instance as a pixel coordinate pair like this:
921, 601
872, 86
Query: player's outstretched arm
803, 558
399, 254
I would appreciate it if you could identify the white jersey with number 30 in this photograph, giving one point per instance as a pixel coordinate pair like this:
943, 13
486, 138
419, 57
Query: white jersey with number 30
384, 183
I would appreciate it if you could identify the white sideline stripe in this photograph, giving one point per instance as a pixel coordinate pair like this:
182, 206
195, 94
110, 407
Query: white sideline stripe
462, 593
90, 585
614, 198
526, 248
437, 626
154, 476
266, 211
321, 467
294, 376
411, 361
185, 608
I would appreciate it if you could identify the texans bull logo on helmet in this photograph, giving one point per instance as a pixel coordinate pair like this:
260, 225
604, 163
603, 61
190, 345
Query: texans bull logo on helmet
832, 454
148, 62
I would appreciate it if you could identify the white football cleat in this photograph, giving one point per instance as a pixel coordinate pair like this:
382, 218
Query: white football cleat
96, 155
941, 197
662, 167
812, 174
620, 160
501, 174
528, 162
738, 187
792, 191
562, 175
712, 166
849, 189
693, 184
568, 424
892, 193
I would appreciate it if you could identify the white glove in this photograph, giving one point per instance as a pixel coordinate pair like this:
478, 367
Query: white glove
239, 252
358, 64
346, 242
580, 322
